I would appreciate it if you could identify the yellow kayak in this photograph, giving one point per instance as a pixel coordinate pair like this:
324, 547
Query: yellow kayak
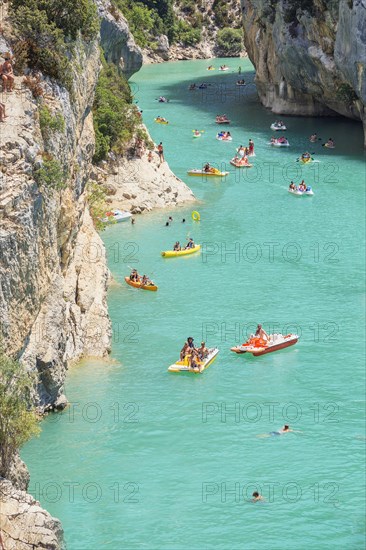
305, 161
161, 121
215, 172
138, 284
183, 366
174, 253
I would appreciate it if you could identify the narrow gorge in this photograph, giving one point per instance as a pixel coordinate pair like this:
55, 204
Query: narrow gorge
56, 148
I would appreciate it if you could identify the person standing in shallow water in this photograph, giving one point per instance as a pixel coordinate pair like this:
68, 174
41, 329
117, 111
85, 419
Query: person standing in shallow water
161, 153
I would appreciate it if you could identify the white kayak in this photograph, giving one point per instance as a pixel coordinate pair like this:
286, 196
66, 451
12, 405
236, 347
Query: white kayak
277, 127
183, 366
298, 193
116, 216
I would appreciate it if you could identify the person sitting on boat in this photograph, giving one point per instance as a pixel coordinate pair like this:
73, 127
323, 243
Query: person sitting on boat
330, 143
203, 86
261, 333
196, 132
134, 276
202, 351
241, 150
145, 280
302, 186
210, 68
282, 139
192, 87
228, 135
188, 348
251, 147
177, 247
273, 139
207, 167
305, 155
313, 137
190, 244
292, 186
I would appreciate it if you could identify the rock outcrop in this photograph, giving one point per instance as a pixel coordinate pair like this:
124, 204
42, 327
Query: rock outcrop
310, 56
141, 184
116, 39
24, 525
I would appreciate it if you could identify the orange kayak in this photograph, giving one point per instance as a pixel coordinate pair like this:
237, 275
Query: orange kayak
139, 285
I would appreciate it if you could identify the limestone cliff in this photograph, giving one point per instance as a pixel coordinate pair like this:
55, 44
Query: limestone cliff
117, 42
309, 55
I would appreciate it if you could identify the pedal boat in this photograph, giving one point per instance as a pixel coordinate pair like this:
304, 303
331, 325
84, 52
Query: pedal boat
257, 346
183, 366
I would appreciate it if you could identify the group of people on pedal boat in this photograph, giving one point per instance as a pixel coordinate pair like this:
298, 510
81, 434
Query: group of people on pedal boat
222, 118
282, 140
190, 244
194, 355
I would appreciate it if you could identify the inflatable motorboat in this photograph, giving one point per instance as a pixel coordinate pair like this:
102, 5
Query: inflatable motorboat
257, 346
116, 216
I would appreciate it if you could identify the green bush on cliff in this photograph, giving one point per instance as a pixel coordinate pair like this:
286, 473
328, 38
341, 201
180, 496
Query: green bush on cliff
46, 29
230, 42
96, 197
50, 174
147, 19
18, 422
49, 122
115, 118
186, 34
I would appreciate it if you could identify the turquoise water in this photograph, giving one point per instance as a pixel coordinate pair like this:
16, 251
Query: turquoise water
148, 459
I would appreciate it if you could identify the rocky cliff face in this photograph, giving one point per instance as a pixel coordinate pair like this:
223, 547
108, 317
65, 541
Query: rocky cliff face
309, 55
117, 42
53, 273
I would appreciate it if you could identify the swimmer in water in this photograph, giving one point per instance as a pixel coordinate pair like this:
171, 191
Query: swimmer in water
256, 496
284, 430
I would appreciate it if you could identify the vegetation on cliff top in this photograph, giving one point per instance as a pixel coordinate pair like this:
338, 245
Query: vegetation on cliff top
46, 30
148, 19
18, 422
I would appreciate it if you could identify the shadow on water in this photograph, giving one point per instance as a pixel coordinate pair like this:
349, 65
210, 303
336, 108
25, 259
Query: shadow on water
242, 106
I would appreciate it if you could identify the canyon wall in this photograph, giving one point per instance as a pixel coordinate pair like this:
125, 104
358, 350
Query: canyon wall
309, 55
